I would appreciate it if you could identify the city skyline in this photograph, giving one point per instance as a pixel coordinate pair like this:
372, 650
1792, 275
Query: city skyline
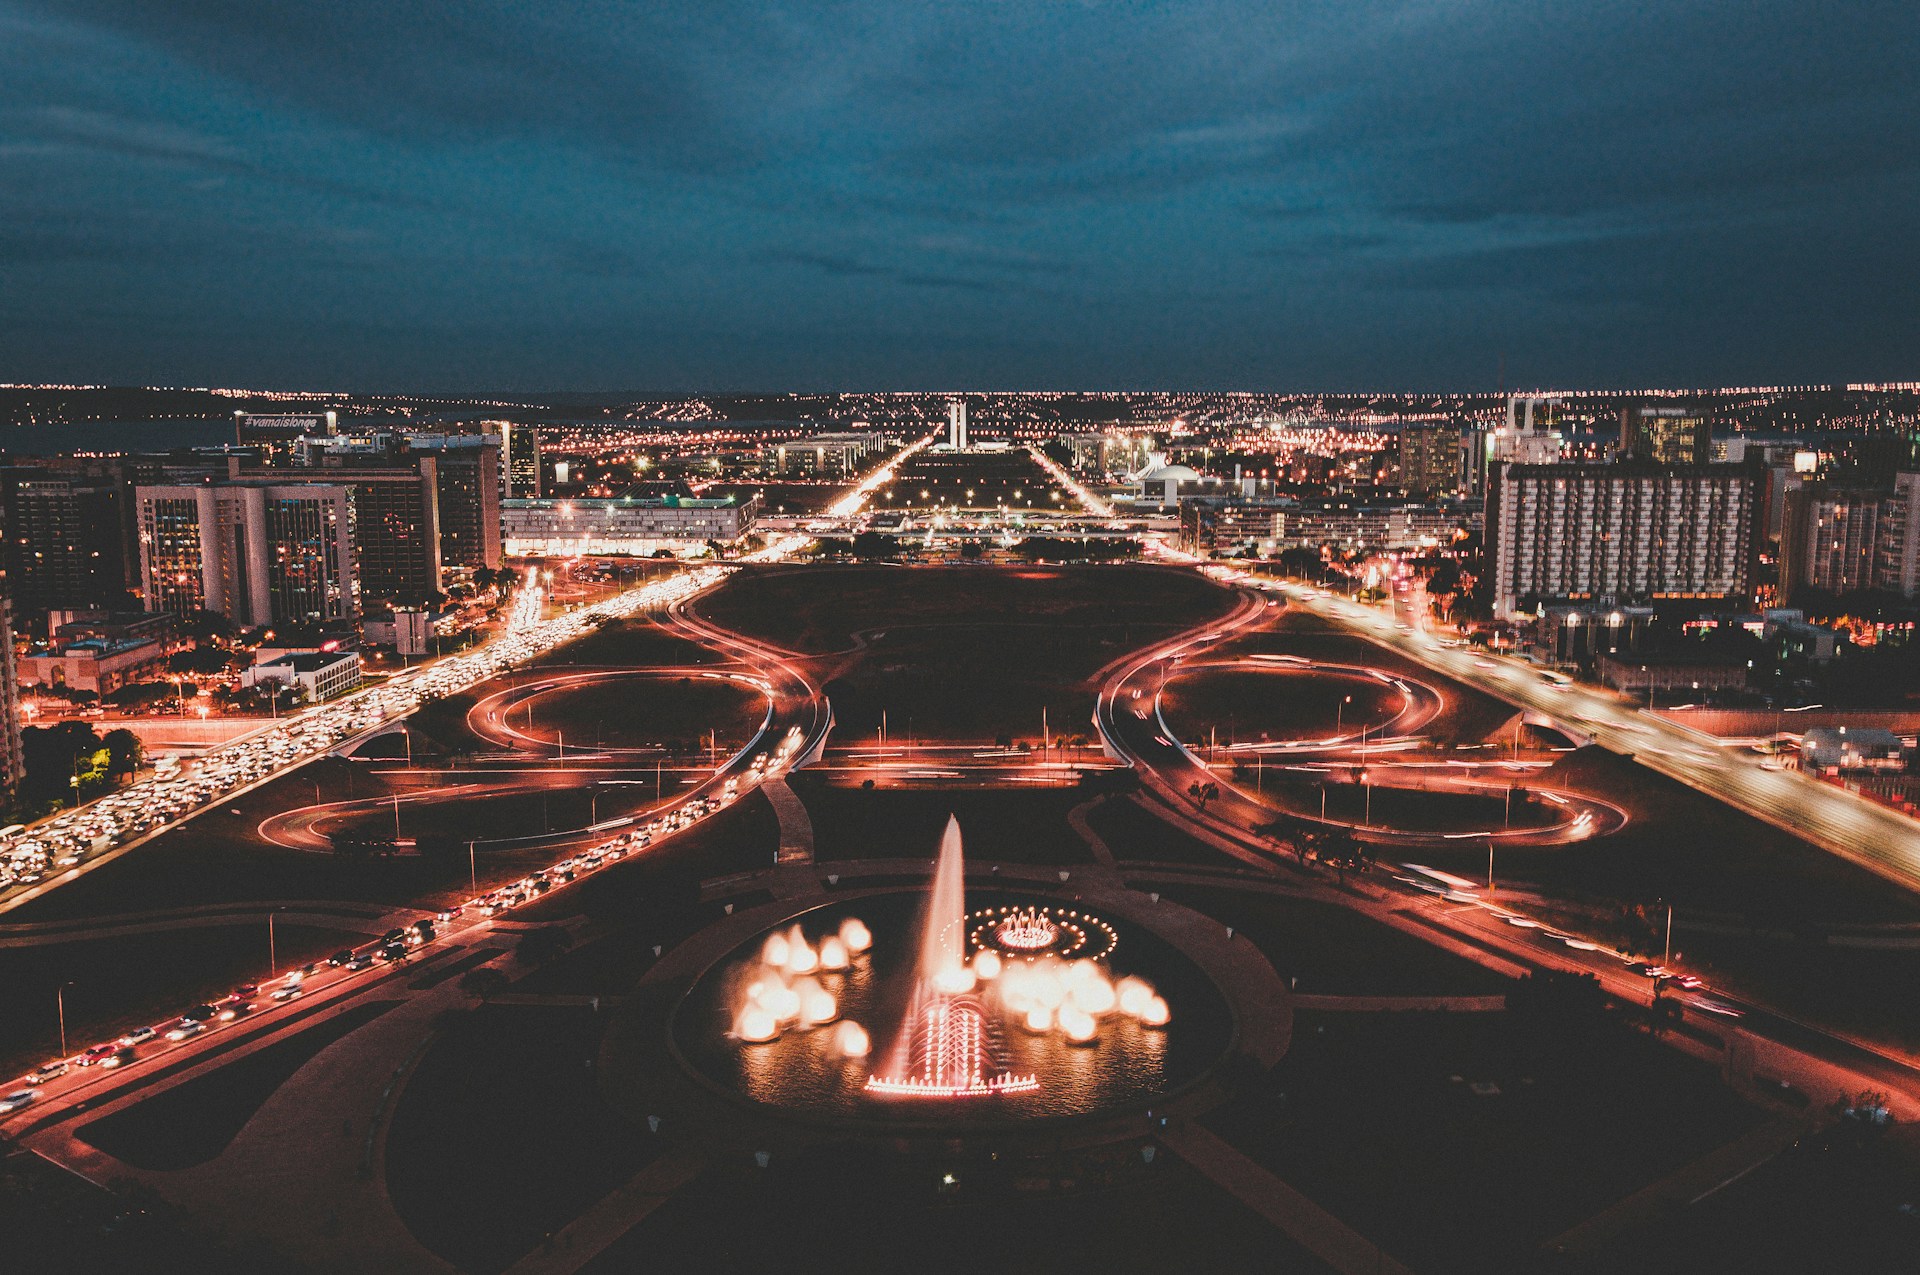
1220, 195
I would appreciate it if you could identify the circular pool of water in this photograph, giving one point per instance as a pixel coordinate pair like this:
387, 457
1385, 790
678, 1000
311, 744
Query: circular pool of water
1128, 1065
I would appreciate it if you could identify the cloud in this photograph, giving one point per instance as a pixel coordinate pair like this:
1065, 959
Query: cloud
1139, 186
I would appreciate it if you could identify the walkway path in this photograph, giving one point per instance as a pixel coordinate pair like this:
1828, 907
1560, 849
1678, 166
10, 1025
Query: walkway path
583, 1239
1309, 1225
1397, 1004
1686, 1186
1077, 820
796, 828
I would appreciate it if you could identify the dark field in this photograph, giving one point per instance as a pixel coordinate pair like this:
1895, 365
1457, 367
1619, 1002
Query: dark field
855, 1208
780, 499
194, 1121
1371, 1115
501, 1137
971, 653
1244, 706
1328, 950
1017, 826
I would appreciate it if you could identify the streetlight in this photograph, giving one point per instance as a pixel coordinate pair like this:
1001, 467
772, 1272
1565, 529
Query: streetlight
60, 999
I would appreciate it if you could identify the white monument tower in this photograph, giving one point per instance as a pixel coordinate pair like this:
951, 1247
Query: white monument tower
957, 424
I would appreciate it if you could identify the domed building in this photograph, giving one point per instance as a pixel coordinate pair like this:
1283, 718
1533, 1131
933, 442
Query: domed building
1161, 484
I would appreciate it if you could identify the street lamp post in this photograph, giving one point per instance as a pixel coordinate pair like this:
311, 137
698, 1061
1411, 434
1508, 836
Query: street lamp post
60, 999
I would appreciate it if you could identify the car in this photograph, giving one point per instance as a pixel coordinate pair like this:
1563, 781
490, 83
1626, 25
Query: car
393, 952
52, 1071
244, 992
120, 1057
16, 1100
1714, 1005
139, 1036
342, 957
185, 1028
201, 1014
284, 994
99, 1053
233, 1008
360, 961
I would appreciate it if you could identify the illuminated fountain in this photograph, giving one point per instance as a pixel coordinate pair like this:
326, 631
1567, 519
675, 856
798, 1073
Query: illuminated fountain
1015, 998
946, 1049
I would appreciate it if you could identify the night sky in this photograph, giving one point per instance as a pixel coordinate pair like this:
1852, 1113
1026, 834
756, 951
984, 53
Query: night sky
914, 194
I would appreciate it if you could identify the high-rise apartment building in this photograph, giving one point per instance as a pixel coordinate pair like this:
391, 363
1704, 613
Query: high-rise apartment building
67, 534
258, 553
1839, 538
1665, 435
1433, 459
1632, 532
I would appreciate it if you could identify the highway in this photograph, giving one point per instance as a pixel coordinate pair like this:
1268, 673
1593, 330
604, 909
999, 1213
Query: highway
1814, 1057
794, 731
75, 842
1870, 835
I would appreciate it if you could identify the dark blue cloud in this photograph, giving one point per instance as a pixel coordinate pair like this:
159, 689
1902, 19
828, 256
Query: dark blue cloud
387, 193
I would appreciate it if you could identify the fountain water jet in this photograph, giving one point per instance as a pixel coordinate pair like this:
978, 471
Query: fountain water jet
943, 1050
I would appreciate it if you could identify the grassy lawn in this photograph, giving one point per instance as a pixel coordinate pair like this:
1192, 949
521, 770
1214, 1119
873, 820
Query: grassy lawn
1468, 716
116, 984
1016, 826
1241, 706
219, 857
501, 1137
1329, 950
1702, 855
1373, 1117
194, 1121
861, 1208
1139, 836
1818, 1207
638, 642
973, 653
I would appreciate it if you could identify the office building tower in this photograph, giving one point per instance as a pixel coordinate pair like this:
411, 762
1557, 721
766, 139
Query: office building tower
257, 553
519, 458
469, 497
396, 520
1623, 533
11, 759
1665, 435
67, 535
957, 424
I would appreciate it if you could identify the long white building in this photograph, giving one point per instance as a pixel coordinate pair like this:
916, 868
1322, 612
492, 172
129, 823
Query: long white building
1624, 533
562, 528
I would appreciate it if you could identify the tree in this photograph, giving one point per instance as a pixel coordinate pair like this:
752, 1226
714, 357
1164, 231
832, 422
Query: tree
1203, 792
125, 753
